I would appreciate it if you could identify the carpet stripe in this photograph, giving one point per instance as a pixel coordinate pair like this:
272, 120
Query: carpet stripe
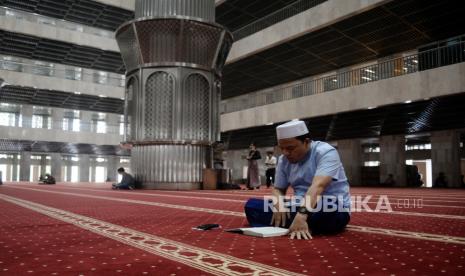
393, 204
216, 211
407, 234
208, 261
243, 201
382, 231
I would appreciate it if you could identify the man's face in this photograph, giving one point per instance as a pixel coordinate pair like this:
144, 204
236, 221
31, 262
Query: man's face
293, 149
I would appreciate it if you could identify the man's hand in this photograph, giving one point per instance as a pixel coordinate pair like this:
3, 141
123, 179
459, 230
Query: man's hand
299, 228
280, 216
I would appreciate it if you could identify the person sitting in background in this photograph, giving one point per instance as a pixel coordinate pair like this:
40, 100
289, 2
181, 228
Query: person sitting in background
441, 181
390, 182
47, 179
127, 181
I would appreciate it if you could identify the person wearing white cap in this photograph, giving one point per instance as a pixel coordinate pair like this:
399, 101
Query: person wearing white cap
314, 170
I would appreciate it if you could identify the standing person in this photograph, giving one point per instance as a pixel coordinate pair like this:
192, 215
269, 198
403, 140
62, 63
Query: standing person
253, 173
1, 178
270, 163
314, 170
127, 182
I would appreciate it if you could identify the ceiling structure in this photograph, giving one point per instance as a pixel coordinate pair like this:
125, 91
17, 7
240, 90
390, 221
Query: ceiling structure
7, 145
51, 98
412, 118
235, 14
232, 14
392, 28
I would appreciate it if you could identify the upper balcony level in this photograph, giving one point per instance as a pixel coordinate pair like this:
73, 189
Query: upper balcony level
22, 122
436, 70
18, 21
46, 75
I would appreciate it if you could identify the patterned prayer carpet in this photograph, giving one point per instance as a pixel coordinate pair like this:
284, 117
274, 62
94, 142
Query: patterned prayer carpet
88, 229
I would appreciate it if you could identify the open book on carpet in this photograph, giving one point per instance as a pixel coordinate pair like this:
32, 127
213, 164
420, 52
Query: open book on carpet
262, 232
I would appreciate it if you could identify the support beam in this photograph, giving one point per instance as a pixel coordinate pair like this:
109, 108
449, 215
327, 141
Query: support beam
445, 156
56, 163
57, 118
350, 152
112, 166
15, 176
392, 159
43, 165
26, 114
84, 165
25, 166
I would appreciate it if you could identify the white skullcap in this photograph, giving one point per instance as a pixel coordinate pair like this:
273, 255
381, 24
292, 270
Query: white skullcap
291, 129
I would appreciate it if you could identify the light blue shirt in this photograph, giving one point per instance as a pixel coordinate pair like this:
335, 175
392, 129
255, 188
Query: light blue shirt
321, 160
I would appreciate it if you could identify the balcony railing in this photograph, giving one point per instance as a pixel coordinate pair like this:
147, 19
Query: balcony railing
60, 71
58, 23
453, 52
275, 17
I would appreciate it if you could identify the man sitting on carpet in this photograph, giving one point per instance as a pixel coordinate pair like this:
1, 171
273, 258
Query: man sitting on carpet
321, 191
127, 182
47, 179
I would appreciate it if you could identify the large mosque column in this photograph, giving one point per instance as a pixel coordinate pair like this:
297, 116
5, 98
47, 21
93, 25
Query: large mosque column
174, 54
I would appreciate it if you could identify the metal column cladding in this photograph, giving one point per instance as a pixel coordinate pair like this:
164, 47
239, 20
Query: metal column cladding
174, 54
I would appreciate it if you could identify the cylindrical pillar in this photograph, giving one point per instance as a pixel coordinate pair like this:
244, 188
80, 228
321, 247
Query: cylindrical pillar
174, 53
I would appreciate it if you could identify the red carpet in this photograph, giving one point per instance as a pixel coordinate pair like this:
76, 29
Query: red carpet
86, 229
